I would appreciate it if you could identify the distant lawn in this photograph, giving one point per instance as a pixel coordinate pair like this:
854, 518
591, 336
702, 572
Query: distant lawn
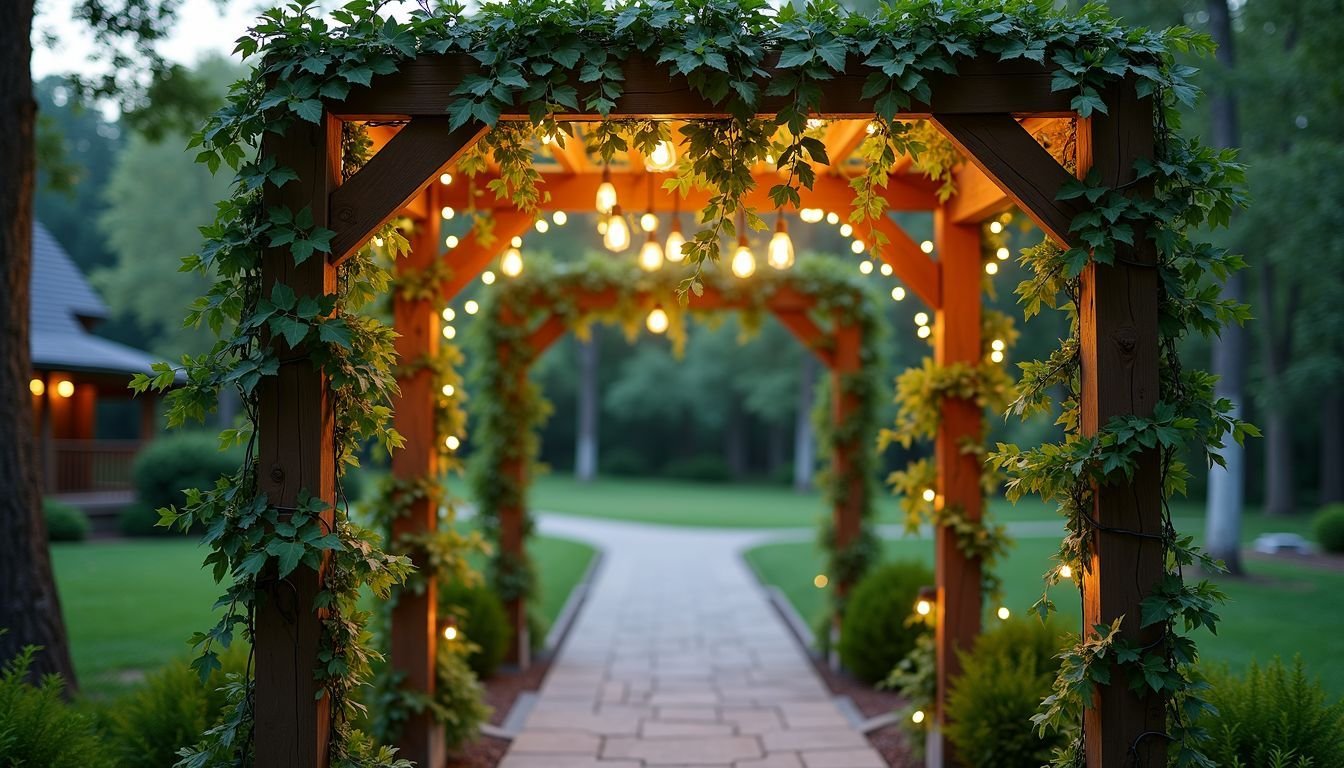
1281, 609
130, 605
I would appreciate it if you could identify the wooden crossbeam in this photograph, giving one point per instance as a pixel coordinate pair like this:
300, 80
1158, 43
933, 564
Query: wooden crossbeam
808, 334
392, 178
921, 274
572, 156
473, 254
843, 138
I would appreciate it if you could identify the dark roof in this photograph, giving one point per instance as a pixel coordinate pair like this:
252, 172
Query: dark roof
63, 306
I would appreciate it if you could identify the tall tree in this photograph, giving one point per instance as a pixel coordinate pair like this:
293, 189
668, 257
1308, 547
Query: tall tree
585, 444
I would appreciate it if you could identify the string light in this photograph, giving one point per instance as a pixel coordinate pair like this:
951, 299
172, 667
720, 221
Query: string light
996, 227
858, 246
450, 633
516, 242
1065, 572
512, 263
870, 128
447, 212
846, 230
657, 321
471, 307
865, 267
560, 218
542, 225
779, 253
445, 179
1002, 254
923, 607
617, 236
921, 318
813, 123
449, 390
449, 332
924, 332
832, 218
378, 242
662, 158
606, 193
811, 215
991, 268
651, 254
451, 241
885, 269
996, 356
930, 494
602, 226
926, 246
1003, 613
65, 388
998, 345
37, 387
648, 222
448, 314
452, 443
898, 293
488, 277
820, 581
918, 716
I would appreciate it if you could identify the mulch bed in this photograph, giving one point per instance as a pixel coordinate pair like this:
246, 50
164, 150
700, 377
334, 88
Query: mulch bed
501, 691
890, 741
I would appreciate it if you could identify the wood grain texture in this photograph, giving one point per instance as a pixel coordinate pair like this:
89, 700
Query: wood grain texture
296, 455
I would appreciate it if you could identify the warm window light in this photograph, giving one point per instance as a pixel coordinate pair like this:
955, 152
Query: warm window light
471, 307
924, 332
648, 222
921, 318
449, 332
779, 253
617, 236
651, 255
606, 193
820, 581
448, 314
930, 494
1065, 572
37, 387
926, 246
448, 390
488, 277
65, 388
996, 356
1003, 613
991, 268
451, 241
996, 227
447, 212
846, 230
898, 293
857, 246
1002, 254
657, 321
512, 263
542, 225
662, 158
744, 261
832, 218
673, 251
452, 443
560, 218
445, 179
866, 267
917, 717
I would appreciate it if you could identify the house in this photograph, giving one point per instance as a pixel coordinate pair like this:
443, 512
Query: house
89, 428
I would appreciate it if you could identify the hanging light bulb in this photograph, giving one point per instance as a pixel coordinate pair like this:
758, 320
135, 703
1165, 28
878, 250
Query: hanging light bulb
657, 321
560, 217
606, 193
651, 255
648, 222
512, 263
617, 236
744, 261
602, 226
662, 158
779, 254
676, 242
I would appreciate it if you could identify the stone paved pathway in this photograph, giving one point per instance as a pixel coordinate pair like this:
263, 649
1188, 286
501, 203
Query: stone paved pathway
677, 659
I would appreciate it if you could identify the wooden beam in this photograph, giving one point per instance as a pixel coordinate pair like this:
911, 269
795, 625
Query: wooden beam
546, 334
808, 334
1118, 328
424, 86
573, 157
296, 456
1000, 147
847, 509
921, 274
414, 157
472, 255
978, 198
843, 138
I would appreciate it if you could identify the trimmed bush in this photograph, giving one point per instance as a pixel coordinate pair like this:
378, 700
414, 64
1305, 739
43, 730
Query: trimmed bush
874, 634
460, 699
699, 469
1272, 717
64, 522
37, 727
1328, 526
165, 468
147, 726
481, 622
1002, 681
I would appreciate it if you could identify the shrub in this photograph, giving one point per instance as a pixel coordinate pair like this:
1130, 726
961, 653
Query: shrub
147, 726
1002, 681
874, 634
623, 462
699, 469
37, 727
481, 622
459, 699
165, 468
1328, 525
64, 522
1272, 717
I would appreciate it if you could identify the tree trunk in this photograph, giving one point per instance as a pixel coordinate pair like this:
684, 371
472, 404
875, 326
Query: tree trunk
1332, 449
1278, 428
804, 445
30, 609
585, 449
1222, 522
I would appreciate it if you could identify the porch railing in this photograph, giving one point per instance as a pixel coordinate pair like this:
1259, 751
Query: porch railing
91, 465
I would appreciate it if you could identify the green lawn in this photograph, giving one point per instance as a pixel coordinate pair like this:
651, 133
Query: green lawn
130, 605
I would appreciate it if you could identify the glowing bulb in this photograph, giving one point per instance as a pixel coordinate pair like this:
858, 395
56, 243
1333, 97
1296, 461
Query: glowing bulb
832, 218
811, 215
471, 307
662, 158
921, 318
445, 179
452, 443
924, 332
37, 387
813, 123
448, 314
998, 345
744, 261
926, 246
991, 268
512, 263
65, 388
898, 293
449, 390
866, 267
449, 332
995, 227
606, 197
547, 139
1065, 572
770, 159
447, 212
675, 243
918, 716
560, 218
378, 241
516, 242
617, 236
542, 225
488, 277
923, 607
870, 128
857, 246
1002, 254
996, 356
820, 581
779, 253
885, 269
648, 222
846, 230
657, 321
602, 226
450, 633
1003, 613
930, 494
451, 241
651, 255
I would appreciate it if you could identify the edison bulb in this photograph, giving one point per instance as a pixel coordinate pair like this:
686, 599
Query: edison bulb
926, 246
560, 218
744, 262
488, 277
602, 226
512, 263
651, 256
676, 243
648, 222
617, 236
866, 267
447, 212
471, 307
657, 321
779, 254
606, 197
857, 246
662, 158
898, 293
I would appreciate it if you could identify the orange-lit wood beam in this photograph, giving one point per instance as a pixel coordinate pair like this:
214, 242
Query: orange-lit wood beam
920, 273
808, 334
473, 254
572, 156
843, 138
978, 197
545, 335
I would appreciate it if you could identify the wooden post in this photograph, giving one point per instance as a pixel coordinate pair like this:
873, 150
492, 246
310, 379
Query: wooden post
415, 629
1117, 317
847, 512
296, 453
956, 340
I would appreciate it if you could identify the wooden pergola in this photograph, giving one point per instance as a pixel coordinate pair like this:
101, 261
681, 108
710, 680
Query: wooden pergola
989, 110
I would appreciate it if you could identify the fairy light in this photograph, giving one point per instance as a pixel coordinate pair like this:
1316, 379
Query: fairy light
917, 717
1002, 254
378, 242
560, 218
37, 387
511, 264
926, 246
445, 179
846, 230
449, 390
449, 314
648, 222
924, 332
930, 494
471, 307
811, 215
997, 345
991, 268
996, 356
450, 633
832, 218
1003, 613
65, 388
820, 581
488, 277
996, 227
923, 607
866, 267
1065, 572
898, 294
447, 212
516, 242
657, 320
885, 269
921, 318
452, 443
451, 241
542, 226
449, 332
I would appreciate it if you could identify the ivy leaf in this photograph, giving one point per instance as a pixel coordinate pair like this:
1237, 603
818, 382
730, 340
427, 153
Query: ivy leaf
293, 330
206, 664
289, 554
335, 332
308, 109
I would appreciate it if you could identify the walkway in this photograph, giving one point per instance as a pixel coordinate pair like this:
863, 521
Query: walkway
677, 659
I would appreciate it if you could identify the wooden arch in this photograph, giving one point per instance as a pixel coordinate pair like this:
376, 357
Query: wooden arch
986, 109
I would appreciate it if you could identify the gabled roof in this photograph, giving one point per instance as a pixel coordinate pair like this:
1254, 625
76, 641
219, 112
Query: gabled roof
63, 306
